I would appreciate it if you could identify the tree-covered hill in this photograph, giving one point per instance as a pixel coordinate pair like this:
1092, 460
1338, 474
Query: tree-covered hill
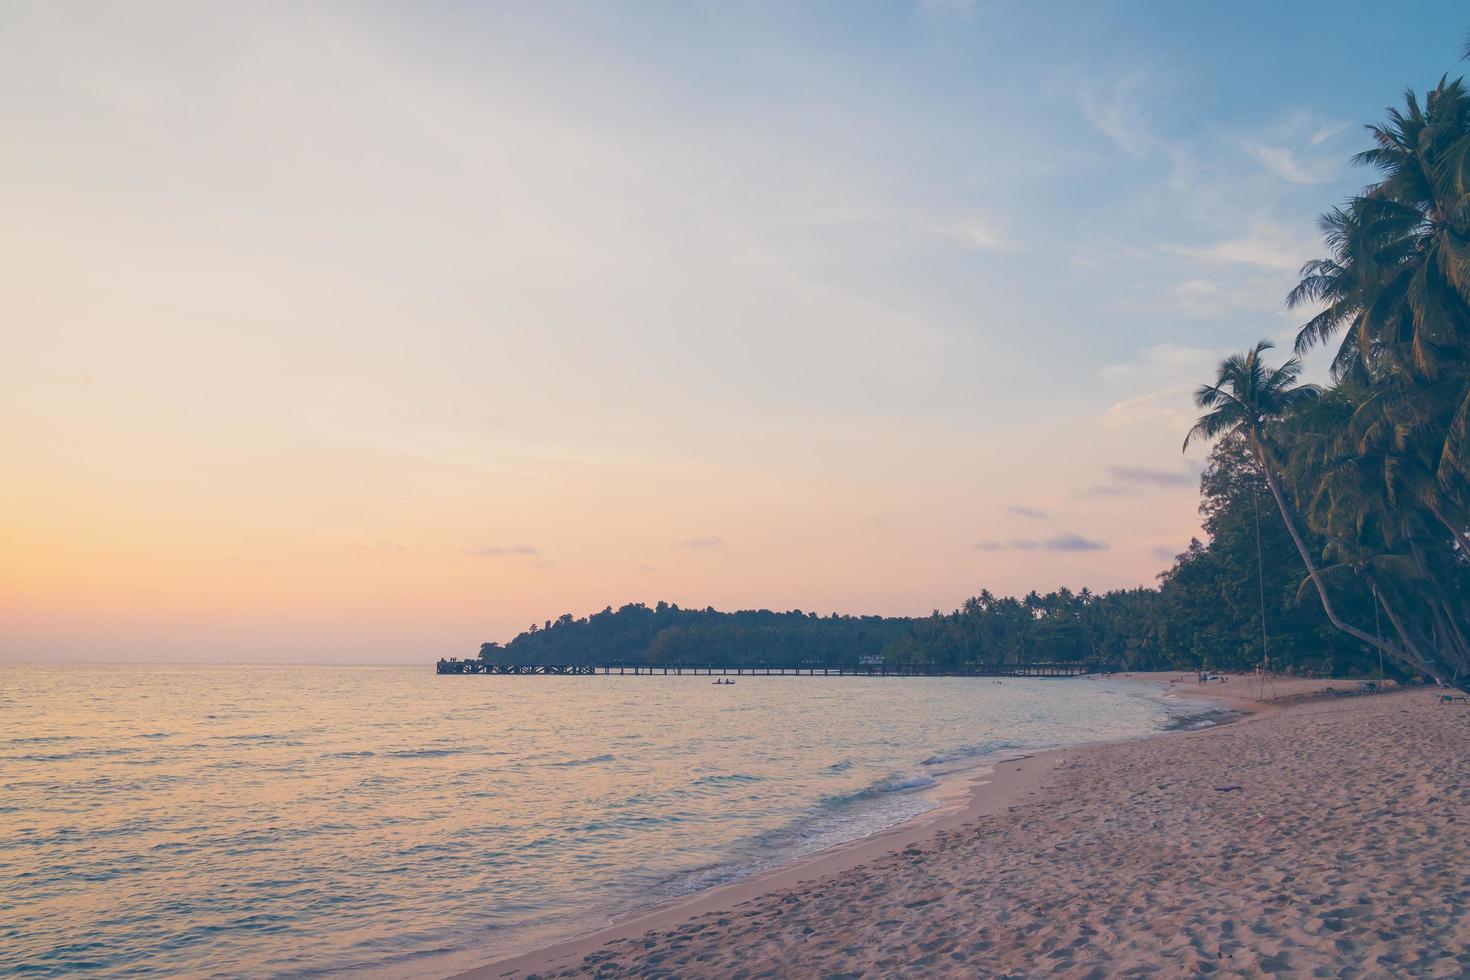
667, 634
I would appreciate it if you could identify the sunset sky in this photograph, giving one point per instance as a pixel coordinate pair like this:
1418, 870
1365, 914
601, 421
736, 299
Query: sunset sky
369, 332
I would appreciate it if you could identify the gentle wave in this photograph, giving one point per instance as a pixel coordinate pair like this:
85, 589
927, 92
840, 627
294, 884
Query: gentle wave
1193, 721
589, 761
727, 779
430, 753
966, 752
894, 783
393, 823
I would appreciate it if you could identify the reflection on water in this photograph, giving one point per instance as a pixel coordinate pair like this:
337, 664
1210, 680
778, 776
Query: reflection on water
389, 821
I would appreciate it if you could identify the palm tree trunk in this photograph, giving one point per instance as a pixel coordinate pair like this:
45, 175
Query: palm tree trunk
1459, 535
1452, 649
1414, 659
1450, 652
1461, 647
1301, 547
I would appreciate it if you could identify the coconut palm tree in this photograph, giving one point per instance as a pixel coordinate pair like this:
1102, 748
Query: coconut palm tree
1247, 397
1366, 496
1397, 282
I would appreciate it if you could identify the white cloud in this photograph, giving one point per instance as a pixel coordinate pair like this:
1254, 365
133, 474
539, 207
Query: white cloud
1265, 246
1325, 132
1124, 115
1161, 360
1119, 116
1168, 373
980, 235
1166, 407
1210, 298
1283, 163
1202, 296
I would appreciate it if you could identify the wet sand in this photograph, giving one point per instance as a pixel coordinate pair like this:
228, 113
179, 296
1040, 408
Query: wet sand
1337, 855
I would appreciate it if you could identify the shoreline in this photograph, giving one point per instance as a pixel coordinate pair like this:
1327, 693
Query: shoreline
984, 791
987, 790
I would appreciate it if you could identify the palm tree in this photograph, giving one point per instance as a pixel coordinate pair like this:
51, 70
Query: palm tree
1374, 505
1397, 282
1246, 398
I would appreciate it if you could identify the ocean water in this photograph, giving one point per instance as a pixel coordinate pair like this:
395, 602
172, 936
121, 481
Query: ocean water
294, 821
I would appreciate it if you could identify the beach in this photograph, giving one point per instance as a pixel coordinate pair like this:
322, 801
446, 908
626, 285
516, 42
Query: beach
1318, 836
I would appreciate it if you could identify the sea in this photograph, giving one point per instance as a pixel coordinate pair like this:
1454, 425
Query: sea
295, 821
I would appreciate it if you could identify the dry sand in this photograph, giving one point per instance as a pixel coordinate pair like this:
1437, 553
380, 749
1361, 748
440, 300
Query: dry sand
1340, 854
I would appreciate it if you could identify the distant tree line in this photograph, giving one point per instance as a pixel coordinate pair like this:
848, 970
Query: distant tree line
666, 633
1206, 612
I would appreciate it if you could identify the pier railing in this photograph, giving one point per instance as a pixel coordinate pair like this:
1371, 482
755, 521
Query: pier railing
1073, 668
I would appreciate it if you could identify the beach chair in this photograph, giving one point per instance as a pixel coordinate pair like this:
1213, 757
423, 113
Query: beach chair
1450, 695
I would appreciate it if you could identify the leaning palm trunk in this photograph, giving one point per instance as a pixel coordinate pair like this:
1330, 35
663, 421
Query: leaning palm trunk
1458, 533
1462, 649
1408, 653
1451, 644
1450, 650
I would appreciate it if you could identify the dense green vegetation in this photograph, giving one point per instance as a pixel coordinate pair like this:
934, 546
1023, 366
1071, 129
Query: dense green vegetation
1338, 518
668, 634
1375, 468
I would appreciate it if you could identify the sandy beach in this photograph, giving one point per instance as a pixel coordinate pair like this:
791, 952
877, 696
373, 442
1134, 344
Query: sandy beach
1316, 837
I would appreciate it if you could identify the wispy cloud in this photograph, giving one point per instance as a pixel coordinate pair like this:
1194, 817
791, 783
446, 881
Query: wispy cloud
1061, 542
1283, 163
1165, 552
1031, 512
1209, 297
706, 543
1291, 148
1166, 407
1102, 490
1133, 480
1166, 360
1266, 246
1326, 131
1168, 373
980, 234
1118, 114
1149, 476
499, 550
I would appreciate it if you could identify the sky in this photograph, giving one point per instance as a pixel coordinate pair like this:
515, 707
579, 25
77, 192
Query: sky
369, 332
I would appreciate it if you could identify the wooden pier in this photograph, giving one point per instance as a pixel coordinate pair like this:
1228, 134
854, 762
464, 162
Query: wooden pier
1048, 669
